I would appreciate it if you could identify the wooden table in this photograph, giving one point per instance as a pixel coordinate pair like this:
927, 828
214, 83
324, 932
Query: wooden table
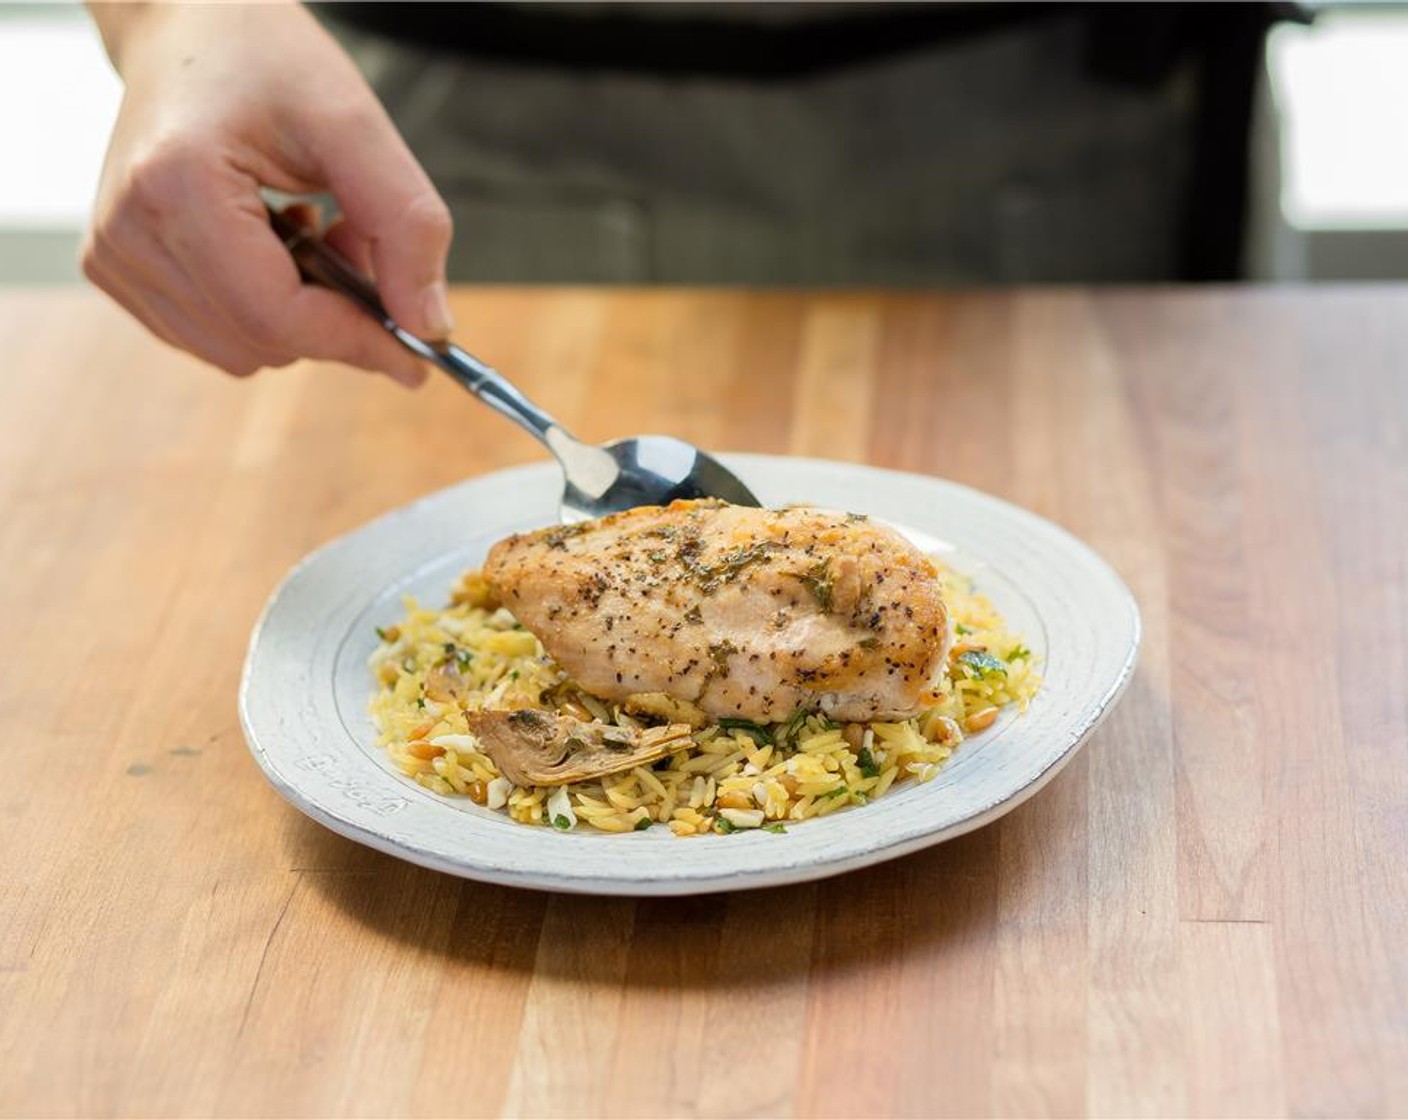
1205, 913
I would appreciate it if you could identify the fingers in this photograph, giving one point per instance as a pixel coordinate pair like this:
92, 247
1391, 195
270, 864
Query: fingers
140, 286
182, 238
175, 326
269, 304
352, 245
391, 207
195, 240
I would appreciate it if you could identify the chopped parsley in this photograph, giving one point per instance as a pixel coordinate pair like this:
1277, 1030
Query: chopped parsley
789, 732
1018, 653
558, 537
719, 653
982, 663
461, 657
724, 825
961, 629
710, 577
866, 761
380, 633
561, 822
778, 827
754, 731
839, 791
818, 581
643, 824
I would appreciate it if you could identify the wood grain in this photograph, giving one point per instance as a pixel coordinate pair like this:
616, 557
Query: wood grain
1202, 915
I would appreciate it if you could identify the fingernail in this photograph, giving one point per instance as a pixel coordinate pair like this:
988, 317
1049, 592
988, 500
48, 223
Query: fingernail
412, 377
435, 306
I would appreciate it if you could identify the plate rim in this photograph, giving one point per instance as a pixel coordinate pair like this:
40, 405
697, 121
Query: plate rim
576, 882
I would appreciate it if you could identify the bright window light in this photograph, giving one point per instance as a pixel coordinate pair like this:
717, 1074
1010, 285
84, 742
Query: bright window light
1342, 90
60, 97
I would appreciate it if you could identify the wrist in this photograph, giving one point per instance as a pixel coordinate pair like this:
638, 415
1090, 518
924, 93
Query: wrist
122, 25
130, 27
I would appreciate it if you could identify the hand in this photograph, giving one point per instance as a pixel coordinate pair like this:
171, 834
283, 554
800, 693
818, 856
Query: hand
220, 101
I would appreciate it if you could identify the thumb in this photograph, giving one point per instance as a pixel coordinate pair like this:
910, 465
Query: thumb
389, 203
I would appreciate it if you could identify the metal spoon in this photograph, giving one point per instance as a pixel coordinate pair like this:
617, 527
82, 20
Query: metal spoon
640, 471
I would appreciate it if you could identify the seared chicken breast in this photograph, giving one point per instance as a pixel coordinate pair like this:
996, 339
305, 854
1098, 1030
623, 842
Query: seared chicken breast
739, 612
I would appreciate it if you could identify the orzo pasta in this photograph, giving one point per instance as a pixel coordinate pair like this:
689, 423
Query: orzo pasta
729, 775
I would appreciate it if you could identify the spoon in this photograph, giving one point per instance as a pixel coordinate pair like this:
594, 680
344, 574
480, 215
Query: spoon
623, 474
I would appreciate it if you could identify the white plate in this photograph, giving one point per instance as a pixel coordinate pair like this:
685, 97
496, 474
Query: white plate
303, 699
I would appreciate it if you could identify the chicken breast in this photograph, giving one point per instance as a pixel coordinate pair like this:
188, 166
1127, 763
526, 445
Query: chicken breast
745, 613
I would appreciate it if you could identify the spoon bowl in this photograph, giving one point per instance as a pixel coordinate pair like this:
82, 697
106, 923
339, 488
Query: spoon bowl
643, 471
598, 480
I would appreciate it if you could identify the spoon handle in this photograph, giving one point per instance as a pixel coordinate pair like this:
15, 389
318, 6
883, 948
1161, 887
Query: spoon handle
319, 263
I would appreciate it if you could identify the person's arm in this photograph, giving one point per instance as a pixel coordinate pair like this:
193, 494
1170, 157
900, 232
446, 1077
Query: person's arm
219, 101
